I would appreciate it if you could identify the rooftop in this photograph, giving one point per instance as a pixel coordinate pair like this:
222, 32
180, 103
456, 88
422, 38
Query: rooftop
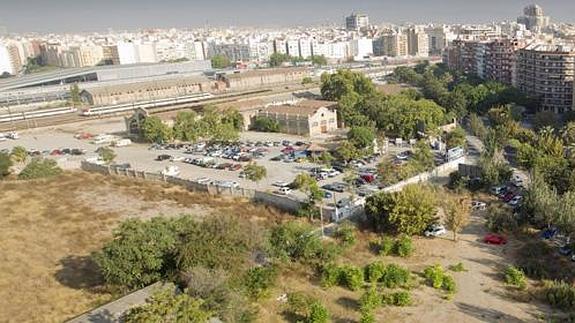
304, 107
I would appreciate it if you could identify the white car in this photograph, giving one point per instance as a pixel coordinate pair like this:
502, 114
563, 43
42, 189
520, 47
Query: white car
516, 200
478, 205
435, 230
171, 170
13, 135
284, 191
333, 173
280, 184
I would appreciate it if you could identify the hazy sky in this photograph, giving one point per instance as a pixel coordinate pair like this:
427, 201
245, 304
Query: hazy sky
94, 15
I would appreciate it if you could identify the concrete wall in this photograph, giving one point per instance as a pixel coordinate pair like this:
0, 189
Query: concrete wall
284, 203
442, 170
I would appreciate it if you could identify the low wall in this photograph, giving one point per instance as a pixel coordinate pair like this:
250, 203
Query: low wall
441, 170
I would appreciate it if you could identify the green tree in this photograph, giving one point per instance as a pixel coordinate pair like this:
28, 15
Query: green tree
5, 164
265, 124
155, 130
319, 60
544, 119
233, 117
361, 137
167, 307
408, 211
477, 127
255, 172
345, 82
137, 256
19, 154
107, 154
347, 151
423, 157
457, 210
40, 168
186, 126
306, 80
307, 184
277, 59
456, 138
568, 133
318, 313
540, 200
75, 95
220, 61
565, 213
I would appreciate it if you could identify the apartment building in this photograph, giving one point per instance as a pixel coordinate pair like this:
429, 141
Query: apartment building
10, 60
501, 59
417, 42
392, 44
356, 22
547, 71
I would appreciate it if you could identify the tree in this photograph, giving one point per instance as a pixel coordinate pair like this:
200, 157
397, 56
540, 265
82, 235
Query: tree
75, 95
277, 59
155, 130
347, 151
319, 60
233, 117
456, 138
265, 124
166, 307
361, 137
186, 127
107, 154
540, 200
255, 172
5, 164
137, 256
307, 184
19, 154
568, 133
423, 157
565, 213
326, 158
306, 80
409, 211
457, 210
220, 61
544, 119
477, 127
40, 168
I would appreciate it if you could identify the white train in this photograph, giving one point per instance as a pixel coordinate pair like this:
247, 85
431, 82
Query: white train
36, 114
111, 109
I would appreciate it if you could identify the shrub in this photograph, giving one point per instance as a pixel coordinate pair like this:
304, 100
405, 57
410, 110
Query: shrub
403, 246
383, 246
345, 233
5, 164
374, 271
330, 275
351, 277
367, 316
457, 267
501, 219
395, 276
434, 276
515, 277
448, 284
259, 280
40, 168
265, 124
370, 300
318, 313
298, 303
560, 294
401, 298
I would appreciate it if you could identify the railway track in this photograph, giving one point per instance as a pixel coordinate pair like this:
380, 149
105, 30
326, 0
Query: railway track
74, 118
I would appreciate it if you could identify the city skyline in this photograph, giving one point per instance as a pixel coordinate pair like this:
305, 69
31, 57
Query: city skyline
77, 16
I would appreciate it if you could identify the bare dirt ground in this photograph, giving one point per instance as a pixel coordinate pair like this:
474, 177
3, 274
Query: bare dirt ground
481, 293
49, 228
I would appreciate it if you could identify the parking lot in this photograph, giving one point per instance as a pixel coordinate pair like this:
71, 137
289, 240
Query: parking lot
280, 154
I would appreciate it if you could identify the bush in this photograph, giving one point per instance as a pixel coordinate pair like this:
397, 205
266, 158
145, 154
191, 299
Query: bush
330, 275
501, 219
457, 267
401, 298
374, 271
258, 281
40, 168
403, 246
265, 124
370, 300
318, 313
448, 284
367, 316
395, 276
560, 294
515, 277
383, 246
351, 277
307, 308
345, 233
5, 164
434, 276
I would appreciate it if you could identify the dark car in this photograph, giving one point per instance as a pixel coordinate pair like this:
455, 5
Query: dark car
77, 152
163, 157
66, 151
123, 166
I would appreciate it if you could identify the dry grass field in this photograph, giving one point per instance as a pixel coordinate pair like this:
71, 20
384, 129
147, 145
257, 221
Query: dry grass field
49, 228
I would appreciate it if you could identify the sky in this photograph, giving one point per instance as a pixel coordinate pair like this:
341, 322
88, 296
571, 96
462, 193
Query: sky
100, 15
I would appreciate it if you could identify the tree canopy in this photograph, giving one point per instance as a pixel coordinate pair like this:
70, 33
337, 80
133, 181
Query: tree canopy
220, 61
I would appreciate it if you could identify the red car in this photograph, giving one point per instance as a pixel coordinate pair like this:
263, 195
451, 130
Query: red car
493, 238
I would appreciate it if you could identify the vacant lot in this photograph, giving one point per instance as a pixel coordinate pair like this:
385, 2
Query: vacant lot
49, 228
481, 293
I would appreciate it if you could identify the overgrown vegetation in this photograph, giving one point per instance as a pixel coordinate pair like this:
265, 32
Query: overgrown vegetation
306, 308
436, 277
515, 277
40, 168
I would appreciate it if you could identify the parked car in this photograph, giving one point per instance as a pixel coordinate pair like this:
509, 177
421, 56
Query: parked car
496, 239
284, 191
435, 230
508, 196
344, 202
327, 195
171, 170
549, 233
565, 250
163, 157
405, 155
478, 205
497, 190
280, 184
515, 200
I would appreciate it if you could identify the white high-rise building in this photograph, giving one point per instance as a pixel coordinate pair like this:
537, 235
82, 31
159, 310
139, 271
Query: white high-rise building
9, 59
293, 48
127, 53
361, 48
356, 22
280, 46
305, 50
